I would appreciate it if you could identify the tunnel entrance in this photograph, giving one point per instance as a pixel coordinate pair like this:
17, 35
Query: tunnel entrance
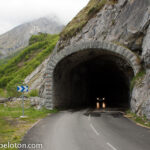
81, 78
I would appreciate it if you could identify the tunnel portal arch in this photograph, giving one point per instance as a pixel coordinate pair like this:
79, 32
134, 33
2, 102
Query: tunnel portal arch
89, 50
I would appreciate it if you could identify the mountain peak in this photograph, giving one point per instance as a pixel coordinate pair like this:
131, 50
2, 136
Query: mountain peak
17, 38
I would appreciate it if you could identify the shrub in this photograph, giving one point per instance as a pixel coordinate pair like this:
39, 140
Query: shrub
37, 38
3, 93
33, 93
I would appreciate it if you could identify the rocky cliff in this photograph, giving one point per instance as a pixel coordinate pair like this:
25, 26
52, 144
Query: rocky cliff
36, 78
18, 37
125, 23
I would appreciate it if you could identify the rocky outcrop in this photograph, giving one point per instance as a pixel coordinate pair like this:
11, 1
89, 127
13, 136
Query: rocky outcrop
37, 102
124, 23
4, 100
36, 78
146, 49
140, 101
141, 92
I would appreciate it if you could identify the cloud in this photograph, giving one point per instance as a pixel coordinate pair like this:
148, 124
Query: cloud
15, 12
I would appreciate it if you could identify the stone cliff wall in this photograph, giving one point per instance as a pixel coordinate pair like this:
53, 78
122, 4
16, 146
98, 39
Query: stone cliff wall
125, 23
36, 78
141, 91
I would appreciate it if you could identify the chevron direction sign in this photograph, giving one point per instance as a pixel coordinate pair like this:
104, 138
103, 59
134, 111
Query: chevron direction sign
22, 88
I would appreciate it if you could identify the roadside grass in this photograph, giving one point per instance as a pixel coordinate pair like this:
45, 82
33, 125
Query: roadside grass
142, 121
33, 93
12, 127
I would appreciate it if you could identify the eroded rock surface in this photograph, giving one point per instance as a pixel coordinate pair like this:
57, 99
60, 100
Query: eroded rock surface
140, 102
124, 23
36, 78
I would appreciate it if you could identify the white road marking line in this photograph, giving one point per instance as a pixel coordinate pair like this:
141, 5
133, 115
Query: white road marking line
111, 146
89, 118
94, 129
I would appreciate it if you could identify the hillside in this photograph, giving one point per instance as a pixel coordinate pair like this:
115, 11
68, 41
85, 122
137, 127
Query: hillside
19, 67
18, 38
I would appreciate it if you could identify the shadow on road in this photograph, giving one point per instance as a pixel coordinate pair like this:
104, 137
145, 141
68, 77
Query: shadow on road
116, 113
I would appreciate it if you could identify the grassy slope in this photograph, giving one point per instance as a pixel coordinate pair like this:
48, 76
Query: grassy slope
6, 59
17, 68
12, 127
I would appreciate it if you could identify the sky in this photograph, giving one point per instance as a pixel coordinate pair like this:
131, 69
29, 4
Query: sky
16, 12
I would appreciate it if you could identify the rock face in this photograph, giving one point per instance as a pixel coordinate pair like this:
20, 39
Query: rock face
140, 102
3, 100
126, 24
141, 92
37, 102
36, 78
146, 49
17, 38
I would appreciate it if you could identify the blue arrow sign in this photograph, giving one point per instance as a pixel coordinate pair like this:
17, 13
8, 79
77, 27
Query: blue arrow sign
22, 88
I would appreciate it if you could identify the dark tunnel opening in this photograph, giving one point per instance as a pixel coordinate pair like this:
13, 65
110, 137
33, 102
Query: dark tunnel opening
83, 77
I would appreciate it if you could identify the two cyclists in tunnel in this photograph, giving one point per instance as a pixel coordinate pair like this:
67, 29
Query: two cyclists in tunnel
100, 102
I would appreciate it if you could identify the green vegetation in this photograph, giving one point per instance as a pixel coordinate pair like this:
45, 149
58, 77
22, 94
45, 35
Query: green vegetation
3, 93
83, 17
17, 68
12, 127
37, 38
33, 93
137, 79
6, 59
1, 54
143, 121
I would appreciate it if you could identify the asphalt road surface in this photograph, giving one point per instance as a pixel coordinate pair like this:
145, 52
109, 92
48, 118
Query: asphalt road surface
83, 130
